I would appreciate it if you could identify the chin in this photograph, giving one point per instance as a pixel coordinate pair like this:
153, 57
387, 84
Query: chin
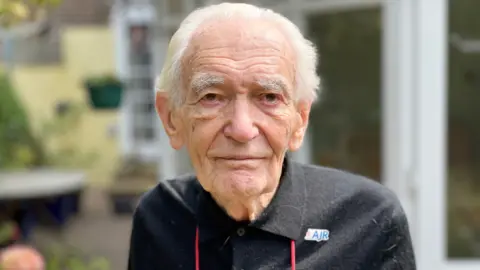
244, 184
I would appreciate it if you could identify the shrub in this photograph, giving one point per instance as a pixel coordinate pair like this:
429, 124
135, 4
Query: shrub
18, 146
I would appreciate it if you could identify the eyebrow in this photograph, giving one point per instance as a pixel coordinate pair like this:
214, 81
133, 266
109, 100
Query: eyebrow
275, 83
202, 81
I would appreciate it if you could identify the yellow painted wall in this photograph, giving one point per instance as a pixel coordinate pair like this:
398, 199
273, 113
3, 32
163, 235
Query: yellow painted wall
86, 51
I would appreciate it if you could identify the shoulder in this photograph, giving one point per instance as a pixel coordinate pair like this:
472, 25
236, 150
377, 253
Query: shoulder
334, 185
348, 195
170, 196
163, 218
358, 210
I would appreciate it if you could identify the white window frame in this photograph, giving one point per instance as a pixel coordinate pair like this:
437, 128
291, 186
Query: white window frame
396, 97
123, 16
414, 115
431, 18
133, 97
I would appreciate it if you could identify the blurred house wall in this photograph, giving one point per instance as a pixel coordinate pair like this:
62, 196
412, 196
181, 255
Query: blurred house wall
86, 50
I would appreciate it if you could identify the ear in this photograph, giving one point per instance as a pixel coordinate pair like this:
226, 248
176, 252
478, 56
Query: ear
170, 120
300, 126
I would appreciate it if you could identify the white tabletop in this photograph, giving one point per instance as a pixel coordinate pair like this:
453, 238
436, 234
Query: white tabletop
39, 183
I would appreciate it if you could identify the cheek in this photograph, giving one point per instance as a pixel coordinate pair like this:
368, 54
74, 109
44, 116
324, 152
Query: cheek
278, 130
202, 133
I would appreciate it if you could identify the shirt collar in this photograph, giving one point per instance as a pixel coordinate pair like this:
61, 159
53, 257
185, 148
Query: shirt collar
283, 216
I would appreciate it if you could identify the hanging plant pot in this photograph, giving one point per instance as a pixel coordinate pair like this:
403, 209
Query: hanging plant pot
105, 97
105, 92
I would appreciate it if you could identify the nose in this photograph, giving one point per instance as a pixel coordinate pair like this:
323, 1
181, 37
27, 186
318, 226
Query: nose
241, 126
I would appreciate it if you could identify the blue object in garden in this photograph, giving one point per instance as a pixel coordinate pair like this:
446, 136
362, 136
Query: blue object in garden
8, 50
25, 218
61, 208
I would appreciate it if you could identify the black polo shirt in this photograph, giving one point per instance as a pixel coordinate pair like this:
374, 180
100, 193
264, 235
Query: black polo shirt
365, 224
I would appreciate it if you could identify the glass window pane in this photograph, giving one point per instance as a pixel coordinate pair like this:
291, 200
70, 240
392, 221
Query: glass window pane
345, 124
200, 3
175, 6
464, 132
140, 45
140, 84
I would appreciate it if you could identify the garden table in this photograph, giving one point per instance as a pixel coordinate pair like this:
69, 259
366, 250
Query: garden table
36, 184
30, 193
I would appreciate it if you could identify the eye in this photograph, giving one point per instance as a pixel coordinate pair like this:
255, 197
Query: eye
271, 98
211, 99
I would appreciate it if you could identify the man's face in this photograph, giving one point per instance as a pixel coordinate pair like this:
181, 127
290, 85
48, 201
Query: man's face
239, 116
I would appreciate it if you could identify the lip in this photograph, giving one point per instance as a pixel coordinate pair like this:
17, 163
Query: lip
239, 158
240, 162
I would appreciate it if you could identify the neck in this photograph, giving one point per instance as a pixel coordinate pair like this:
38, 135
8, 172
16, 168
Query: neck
245, 209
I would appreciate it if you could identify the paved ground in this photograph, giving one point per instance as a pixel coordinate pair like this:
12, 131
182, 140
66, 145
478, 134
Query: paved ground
96, 232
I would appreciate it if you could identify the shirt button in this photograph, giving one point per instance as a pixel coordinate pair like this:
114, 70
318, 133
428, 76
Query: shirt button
241, 231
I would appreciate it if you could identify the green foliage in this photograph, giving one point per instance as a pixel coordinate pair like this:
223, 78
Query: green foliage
18, 146
64, 258
13, 12
21, 148
60, 133
76, 262
7, 231
60, 258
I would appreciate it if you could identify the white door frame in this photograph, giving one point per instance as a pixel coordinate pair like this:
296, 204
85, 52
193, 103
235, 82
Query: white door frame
420, 27
397, 125
430, 134
414, 115
121, 17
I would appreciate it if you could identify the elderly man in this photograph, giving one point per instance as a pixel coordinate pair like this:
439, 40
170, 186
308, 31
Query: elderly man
236, 91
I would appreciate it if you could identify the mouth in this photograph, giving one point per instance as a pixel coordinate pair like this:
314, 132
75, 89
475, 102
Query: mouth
239, 158
239, 162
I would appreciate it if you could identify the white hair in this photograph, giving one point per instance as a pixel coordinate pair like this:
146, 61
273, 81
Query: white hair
306, 79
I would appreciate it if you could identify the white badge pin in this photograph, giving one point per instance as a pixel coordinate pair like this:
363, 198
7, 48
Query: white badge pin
317, 235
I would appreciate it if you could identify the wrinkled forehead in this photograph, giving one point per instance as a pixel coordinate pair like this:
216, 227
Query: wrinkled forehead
273, 82
234, 30
242, 44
